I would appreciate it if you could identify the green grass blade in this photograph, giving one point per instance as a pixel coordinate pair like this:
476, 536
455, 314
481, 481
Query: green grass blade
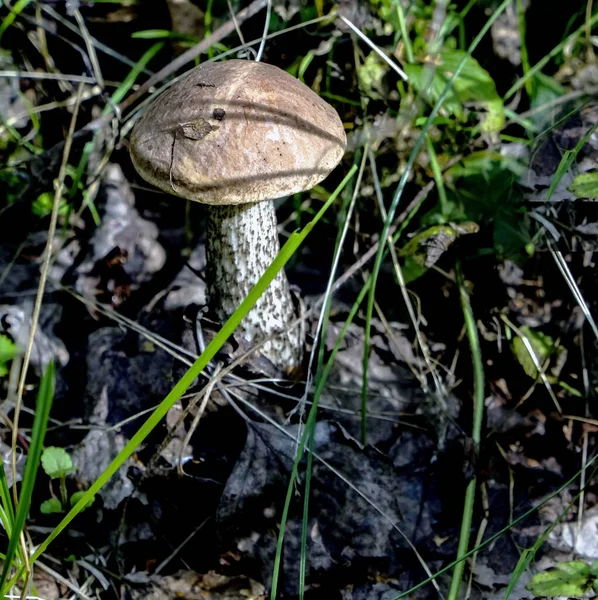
6, 501
161, 34
476, 434
308, 427
344, 216
305, 518
131, 78
43, 404
567, 160
19, 7
437, 173
529, 554
524, 55
193, 372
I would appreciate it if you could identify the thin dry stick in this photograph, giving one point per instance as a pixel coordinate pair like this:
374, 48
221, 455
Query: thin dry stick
235, 22
590, 57
91, 51
375, 48
11, 74
36, 110
177, 550
37, 308
202, 407
43, 42
62, 580
585, 443
260, 51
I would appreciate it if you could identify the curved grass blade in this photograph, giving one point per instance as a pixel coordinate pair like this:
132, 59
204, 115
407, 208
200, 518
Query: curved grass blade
43, 404
476, 433
309, 427
19, 7
294, 241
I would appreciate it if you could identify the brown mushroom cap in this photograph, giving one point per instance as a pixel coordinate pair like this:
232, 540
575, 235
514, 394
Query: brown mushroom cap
235, 132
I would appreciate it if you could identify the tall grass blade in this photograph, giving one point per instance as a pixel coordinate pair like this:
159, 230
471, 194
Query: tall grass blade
476, 434
43, 405
294, 241
309, 426
18, 8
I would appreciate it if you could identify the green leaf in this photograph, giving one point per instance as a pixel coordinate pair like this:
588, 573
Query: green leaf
160, 34
585, 185
542, 345
487, 166
473, 86
7, 352
42, 205
567, 579
78, 495
429, 245
51, 506
56, 462
371, 76
482, 188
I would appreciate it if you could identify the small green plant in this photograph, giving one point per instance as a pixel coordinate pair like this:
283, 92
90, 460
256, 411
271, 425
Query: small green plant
57, 464
585, 185
42, 205
11, 186
8, 351
571, 579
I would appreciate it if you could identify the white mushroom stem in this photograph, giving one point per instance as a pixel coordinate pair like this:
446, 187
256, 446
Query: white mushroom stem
242, 241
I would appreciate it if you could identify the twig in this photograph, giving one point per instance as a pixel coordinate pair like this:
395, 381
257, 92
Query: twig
260, 51
91, 51
165, 562
62, 580
200, 411
375, 48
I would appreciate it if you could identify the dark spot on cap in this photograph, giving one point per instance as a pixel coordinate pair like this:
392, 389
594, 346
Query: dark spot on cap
219, 113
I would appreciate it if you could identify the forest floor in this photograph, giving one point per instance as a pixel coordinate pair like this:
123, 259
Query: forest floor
445, 395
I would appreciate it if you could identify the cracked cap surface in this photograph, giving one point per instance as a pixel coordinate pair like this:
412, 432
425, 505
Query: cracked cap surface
235, 132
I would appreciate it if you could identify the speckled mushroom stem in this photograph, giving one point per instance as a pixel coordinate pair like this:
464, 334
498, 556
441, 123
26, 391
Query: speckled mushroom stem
242, 241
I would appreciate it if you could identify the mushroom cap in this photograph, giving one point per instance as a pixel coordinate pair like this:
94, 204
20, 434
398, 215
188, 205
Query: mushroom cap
235, 132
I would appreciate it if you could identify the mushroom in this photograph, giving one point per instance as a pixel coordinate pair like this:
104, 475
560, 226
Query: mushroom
237, 135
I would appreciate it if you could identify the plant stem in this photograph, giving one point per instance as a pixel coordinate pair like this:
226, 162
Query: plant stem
63, 495
476, 433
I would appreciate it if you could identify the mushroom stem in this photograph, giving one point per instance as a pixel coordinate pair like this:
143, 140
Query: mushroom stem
242, 242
